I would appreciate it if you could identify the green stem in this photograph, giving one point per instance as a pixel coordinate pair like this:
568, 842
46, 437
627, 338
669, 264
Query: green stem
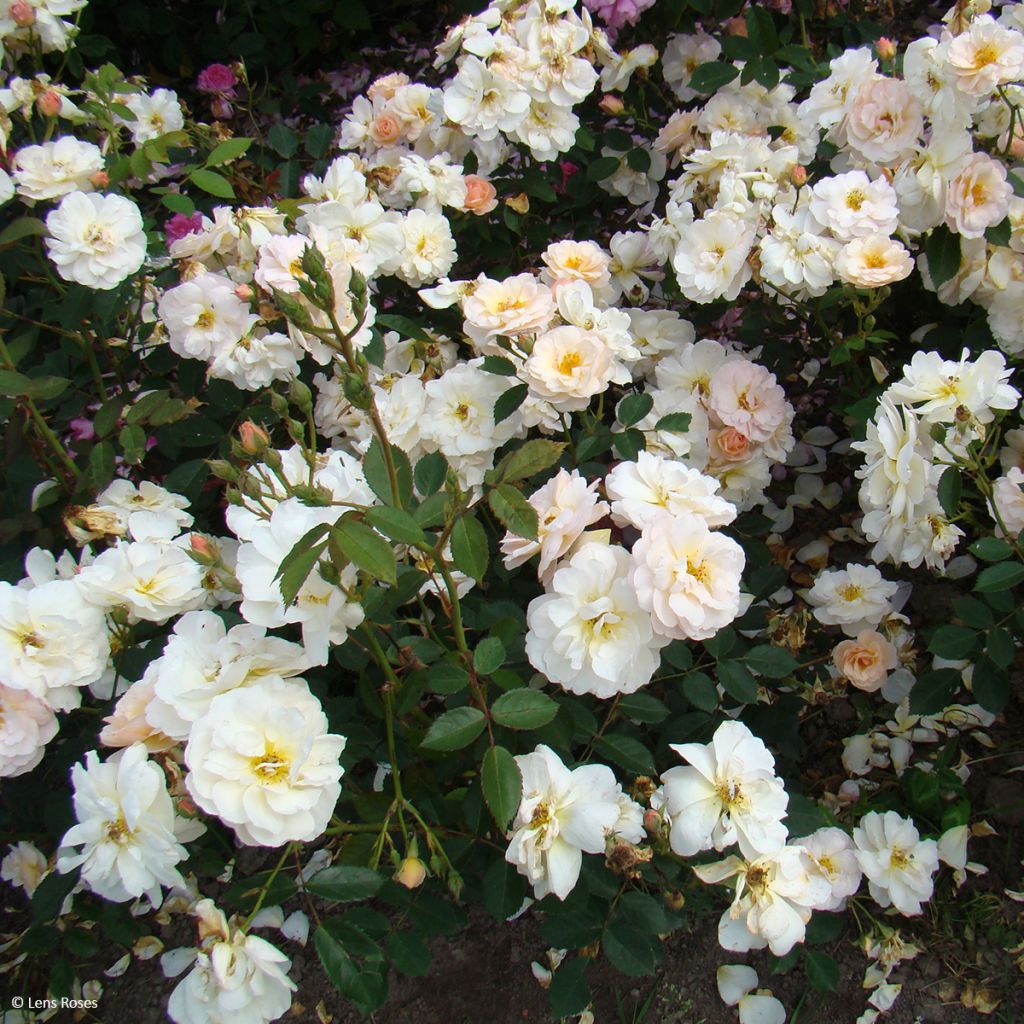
266, 885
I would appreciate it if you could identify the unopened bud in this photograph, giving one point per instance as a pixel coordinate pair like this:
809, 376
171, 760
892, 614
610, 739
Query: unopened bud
222, 469
100, 179
652, 821
869, 323
203, 548
357, 391
736, 26
411, 873
611, 104
23, 14
279, 404
244, 292
885, 48
49, 103
799, 176
254, 439
300, 394
675, 900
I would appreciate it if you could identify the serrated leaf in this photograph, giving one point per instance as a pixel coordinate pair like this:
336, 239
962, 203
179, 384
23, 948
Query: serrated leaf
283, 140
406, 327
934, 691
991, 549
633, 408
942, 251
822, 970
737, 681
344, 973
409, 953
514, 512
990, 685
454, 730
488, 656
953, 642
528, 460
364, 548
629, 949
102, 461
499, 365
700, 691
228, 150
712, 75
678, 422
299, 562
524, 709
375, 469
430, 473
999, 577
344, 883
400, 526
999, 647
23, 227
639, 159
469, 547
626, 752
504, 889
771, 661
502, 785
212, 182
642, 707
603, 167
949, 490
508, 401
569, 993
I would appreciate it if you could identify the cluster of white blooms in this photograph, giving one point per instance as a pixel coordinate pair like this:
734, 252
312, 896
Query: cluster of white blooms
729, 794
923, 423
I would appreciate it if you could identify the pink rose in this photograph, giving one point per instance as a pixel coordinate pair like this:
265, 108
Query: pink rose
481, 195
178, 226
867, 661
217, 79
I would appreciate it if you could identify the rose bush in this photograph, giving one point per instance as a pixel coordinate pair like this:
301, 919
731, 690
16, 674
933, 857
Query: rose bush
408, 492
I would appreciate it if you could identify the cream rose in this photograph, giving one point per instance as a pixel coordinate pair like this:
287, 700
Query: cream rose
867, 661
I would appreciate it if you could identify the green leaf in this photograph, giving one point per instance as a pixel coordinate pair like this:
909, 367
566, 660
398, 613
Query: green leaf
942, 251
949, 490
737, 681
299, 562
524, 709
504, 889
375, 469
406, 327
677, 422
953, 642
569, 993
430, 473
528, 459
973, 612
639, 159
761, 30
824, 927
700, 691
502, 785
283, 140
396, 524
626, 752
633, 408
499, 365
629, 949
50, 893
132, 440
771, 661
14, 384
102, 463
345, 883
212, 182
630, 443
991, 549
318, 140
447, 677
510, 400
990, 685
603, 167
934, 691
23, 227
999, 234
365, 548
228, 150
488, 656
643, 911
999, 577
344, 973
514, 512
140, 411
711, 76
454, 730
643, 708
409, 953
469, 547
999, 647
44, 388
822, 970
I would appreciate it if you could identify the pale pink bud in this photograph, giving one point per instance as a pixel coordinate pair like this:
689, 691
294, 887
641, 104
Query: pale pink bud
736, 26
100, 179
611, 104
23, 13
244, 292
49, 103
885, 48
202, 547
254, 439
799, 175
652, 821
